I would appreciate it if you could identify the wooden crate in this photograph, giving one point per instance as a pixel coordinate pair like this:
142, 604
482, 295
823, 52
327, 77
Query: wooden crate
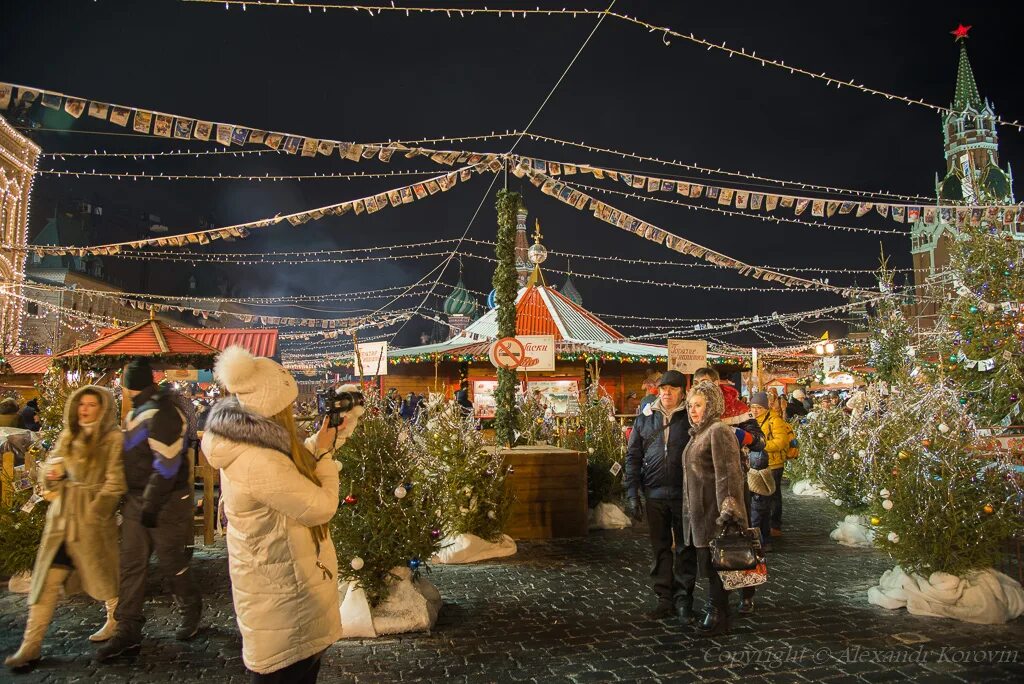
550, 486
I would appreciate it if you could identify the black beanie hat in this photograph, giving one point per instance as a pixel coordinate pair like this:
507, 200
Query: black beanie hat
138, 375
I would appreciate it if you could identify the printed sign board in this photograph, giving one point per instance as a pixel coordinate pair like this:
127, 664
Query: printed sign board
373, 357
686, 356
540, 353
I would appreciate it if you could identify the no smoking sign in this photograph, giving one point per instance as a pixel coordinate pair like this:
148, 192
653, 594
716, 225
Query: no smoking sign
507, 353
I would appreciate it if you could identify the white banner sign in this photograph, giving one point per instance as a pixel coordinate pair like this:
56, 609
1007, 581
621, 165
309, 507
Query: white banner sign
686, 356
372, 358
540, 353
181, 374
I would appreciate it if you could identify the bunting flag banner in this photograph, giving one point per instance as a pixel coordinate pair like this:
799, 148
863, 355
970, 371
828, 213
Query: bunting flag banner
6, 91
609, 214
743, 199
142, 121
371, 204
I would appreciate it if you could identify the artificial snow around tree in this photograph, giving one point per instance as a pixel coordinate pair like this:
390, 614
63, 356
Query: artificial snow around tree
808, 488
853, 531
608, 516
411, 606
20, 583
984, 597
469, 548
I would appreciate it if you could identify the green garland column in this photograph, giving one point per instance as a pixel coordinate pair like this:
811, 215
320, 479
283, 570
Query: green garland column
505, 287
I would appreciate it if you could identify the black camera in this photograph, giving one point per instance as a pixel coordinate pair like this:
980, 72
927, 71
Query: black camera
337, 402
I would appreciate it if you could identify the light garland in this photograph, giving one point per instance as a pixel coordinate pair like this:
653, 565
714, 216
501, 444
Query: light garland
665, 32
370, 204
627, 222
142, 156
136, 176
724, 172
698, 264
731, 212
820, 206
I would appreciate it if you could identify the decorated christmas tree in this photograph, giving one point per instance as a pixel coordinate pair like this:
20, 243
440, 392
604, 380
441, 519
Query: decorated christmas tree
599, 435
532, 423
987, 321
390, 515
891, 343
940, 502
832, 456
469, 477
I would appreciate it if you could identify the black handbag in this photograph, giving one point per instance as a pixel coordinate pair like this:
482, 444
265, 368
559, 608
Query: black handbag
735, 548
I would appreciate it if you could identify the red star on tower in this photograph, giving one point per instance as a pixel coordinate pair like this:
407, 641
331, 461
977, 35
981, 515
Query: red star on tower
960, 32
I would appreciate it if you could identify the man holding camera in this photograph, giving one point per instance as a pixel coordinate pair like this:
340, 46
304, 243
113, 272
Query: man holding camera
654, 466
157, 510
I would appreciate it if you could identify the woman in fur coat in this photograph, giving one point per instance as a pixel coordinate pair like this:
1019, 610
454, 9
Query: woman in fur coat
83, 478
279, 495
713, 486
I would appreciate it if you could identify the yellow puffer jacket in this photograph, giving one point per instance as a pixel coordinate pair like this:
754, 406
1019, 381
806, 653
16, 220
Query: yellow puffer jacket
777, 436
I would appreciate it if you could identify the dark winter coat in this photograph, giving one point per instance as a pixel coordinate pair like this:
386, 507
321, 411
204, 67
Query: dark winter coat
155, 464
28, 417
654, 453
711, 474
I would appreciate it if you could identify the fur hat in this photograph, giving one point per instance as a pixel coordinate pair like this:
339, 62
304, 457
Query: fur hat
713, 400
799, 395
262, 386
761, 481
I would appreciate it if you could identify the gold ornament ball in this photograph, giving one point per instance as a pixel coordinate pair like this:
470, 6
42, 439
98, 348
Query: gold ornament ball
876, 521
903, 455
988, 508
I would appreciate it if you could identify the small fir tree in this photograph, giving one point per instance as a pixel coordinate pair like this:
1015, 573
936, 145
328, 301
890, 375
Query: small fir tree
599, 435
986, 318
469, 475
391, 514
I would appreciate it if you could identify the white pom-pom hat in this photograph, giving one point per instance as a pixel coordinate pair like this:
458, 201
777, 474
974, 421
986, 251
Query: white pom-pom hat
261, 385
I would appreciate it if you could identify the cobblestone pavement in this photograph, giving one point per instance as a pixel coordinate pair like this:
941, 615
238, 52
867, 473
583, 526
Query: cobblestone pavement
571, 611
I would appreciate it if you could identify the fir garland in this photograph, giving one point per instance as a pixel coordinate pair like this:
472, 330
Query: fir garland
505, 282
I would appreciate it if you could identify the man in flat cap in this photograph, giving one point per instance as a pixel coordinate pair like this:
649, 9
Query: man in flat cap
654, 468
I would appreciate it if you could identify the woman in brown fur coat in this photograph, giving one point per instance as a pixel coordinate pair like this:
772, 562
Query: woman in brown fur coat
713, 486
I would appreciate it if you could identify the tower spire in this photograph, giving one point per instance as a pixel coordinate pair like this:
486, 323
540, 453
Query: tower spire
966, 93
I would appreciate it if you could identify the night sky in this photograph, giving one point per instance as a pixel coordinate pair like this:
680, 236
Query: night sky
349, 76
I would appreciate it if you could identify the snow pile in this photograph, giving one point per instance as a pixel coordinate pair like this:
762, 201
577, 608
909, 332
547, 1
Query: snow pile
469, 548
985, 597
20, 583
410, 607
853, 531
808, 488
608, 516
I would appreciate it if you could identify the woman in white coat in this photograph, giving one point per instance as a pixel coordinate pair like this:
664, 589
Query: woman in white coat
279, 494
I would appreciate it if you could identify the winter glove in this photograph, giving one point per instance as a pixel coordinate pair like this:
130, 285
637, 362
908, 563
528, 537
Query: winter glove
744, 438
634, 509
729, 512
149, 518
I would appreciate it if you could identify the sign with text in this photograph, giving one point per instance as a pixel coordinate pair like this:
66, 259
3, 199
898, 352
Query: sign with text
686, 356
181, 374
372, 359
540, 353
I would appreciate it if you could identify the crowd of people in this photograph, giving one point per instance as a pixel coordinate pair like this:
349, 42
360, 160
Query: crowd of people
696, 461
119, 493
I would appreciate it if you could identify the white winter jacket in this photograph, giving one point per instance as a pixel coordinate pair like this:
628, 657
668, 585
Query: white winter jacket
285, 595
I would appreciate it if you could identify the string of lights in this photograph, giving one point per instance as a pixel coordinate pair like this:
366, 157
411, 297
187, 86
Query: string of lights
666, 33
707, 170
142, 156
136, 176
731, 212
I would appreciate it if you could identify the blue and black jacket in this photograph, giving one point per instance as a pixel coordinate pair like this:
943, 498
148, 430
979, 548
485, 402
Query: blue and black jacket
155, 463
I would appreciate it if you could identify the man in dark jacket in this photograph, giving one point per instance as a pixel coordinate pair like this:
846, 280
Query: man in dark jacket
157, 512
654, 467
28, 417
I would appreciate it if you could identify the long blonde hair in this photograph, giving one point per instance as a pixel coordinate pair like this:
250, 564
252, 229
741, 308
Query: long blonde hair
303, 460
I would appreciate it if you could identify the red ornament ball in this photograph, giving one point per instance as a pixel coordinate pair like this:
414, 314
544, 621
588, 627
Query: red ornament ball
351, 500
